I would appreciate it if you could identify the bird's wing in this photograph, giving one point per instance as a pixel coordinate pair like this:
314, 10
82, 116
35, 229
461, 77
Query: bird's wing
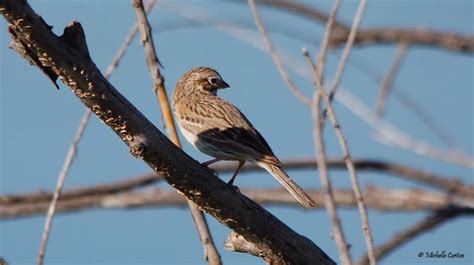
225, 128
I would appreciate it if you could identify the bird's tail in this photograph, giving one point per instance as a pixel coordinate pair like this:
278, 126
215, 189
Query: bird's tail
290, 185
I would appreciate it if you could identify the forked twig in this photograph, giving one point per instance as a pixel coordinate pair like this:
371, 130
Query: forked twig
347, 48
350, 165
210, 251
330, 205
337, 231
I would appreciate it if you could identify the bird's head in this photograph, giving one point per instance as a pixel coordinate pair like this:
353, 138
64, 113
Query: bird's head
201, 79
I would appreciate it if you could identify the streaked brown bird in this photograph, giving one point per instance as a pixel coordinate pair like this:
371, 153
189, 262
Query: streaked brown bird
217, 128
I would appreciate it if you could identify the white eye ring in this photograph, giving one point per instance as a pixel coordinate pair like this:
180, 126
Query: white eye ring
213, 80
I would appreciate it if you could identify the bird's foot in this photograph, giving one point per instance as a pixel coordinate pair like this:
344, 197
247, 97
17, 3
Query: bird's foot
231, 185
214, 172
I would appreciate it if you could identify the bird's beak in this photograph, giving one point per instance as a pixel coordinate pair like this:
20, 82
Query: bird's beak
223, 84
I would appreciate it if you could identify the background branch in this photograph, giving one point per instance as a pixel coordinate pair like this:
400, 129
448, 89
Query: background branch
384, 35
317, 122
449, 184
388, 80
71, 154
386, 200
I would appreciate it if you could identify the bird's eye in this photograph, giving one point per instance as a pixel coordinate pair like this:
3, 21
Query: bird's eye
213, 80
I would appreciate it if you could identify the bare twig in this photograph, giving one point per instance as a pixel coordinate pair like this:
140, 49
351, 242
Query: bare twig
337, 230
386, 200
323, 51
73, 148
347, 49
210, 250
428, 223
59, 186
103, 189
276, 58
350, 165
387, 82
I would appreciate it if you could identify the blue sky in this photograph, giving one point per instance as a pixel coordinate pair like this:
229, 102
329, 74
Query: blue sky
38, 123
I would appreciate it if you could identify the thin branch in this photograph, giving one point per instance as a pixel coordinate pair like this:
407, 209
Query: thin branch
416, 230
350, 165
276, 58
388, 35
347, 49
323, 51
103, 189
337, 232
386, 200
210, 251
279, 243
59, 186
388, 80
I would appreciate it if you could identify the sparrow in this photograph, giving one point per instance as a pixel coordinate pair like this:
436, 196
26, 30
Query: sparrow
217, 128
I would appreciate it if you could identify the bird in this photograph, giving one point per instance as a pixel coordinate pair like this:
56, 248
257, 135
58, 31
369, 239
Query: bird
217, 128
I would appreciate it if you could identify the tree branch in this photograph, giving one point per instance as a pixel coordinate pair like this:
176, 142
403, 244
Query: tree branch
387, 35
68, 57
388, 80
337, 231
345, 150
377, 198
450, 184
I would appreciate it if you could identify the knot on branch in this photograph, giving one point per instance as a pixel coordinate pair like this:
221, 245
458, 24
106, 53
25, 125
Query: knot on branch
138, 146
74, 36
238, 243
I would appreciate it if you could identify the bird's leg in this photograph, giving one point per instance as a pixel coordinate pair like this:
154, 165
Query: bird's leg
208, 163
212, 161
231, 181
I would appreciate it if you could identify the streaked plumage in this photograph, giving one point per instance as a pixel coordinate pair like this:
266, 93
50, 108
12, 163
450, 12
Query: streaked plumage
217, 128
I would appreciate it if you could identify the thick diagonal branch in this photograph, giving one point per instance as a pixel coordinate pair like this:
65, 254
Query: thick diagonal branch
68, 57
